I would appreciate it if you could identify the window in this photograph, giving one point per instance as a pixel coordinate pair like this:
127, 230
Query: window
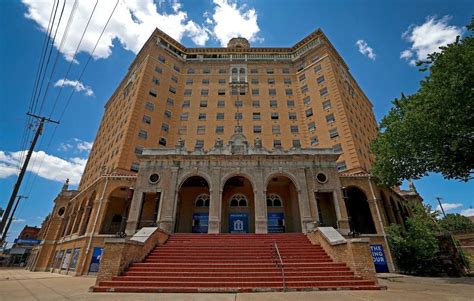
256, 103
307, 100
161, 59
302, 77
204, 92
311, 126
174, 79
205, 81
288, 92
238, 200
153, 92
220, 116
203, 104
272, 92
294, 129
222, 71
221, 92
184, 116
296, 143
277, 143
271, 81
158, 70
254, 81
326, 105
287, 81
165, 127
143, 134
150, 106
304, 89
317, 68
274, 116
275, 129
273, 104
187, 92
201, 130
290, 103
162, 141
170, 102
333, 133
155, 80
199, 144
191, 71
172, 90
292, 115
238, 116
323, 91
168, 114
320, 80
206, 71
270, 71
314, 58
202, 200
341, 166
220, 129
314, 140
234, 91
220, 103
330, 118
202, 116
138, 150
146, 119
182, 130
238, 103
186, 104
189, 81
273, 200
300, 67
256, 116
286, 70
337, 148
257, 129
254, 71
134, 167
309, 112
255, 92
221, 81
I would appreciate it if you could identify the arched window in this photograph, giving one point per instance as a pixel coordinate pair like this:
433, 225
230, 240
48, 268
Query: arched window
274, 200
202, 200
238, 200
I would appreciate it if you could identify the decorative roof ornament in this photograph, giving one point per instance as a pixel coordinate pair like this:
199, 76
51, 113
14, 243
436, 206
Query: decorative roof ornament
66, 185
238, 43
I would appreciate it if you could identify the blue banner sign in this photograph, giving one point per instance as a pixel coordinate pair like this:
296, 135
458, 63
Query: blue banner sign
200, 222
276, 222
238, 223
378, 256
22, 241
95, 261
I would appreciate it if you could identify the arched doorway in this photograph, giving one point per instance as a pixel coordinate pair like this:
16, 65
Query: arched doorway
282, 206
238, 209
116, 212
192, 214
359, 211
87, 214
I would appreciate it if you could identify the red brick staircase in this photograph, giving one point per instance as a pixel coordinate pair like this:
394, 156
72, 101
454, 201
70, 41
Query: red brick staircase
235, 263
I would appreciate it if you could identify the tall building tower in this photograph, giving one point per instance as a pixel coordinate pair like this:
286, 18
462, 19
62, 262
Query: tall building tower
219, 140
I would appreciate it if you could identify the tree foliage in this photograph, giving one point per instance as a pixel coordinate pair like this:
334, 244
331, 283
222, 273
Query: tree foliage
456, 222
433, 129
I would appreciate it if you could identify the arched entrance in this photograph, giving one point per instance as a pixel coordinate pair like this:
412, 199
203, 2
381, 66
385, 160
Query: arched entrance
118, 204
359, 211
192, 214
282, 206
385, 206
238, 209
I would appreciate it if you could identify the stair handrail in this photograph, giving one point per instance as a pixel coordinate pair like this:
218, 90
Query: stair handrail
280, 264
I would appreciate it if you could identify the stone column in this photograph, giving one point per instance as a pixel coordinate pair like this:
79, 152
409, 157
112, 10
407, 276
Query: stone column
373, 212
307, 221
214, 202
134, 212
167, 214
259, 194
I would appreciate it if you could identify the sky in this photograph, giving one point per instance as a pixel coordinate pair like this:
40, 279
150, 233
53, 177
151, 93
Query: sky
379, 41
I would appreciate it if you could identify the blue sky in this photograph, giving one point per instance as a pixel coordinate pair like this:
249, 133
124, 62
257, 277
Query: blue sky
368, 34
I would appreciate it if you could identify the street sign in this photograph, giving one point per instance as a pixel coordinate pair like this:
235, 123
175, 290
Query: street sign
378, 256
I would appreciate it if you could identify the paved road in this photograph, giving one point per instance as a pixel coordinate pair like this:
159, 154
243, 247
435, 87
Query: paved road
18, 284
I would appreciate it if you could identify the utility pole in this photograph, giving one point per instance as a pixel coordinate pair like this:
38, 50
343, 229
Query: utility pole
23, 169
4, 236
441, 205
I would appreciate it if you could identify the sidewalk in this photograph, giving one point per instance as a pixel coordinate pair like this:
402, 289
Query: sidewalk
19, 284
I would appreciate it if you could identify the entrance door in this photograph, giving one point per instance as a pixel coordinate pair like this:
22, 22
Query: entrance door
238, 214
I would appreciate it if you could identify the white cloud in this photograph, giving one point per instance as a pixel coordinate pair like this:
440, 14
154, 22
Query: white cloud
53, 168
19, 220
365, 49
467, 212
132, 24
83, 145
428, 37
230, 21
449, 206
76, 85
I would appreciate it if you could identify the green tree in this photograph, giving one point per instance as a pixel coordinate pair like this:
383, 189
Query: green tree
456, 222
433, 129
